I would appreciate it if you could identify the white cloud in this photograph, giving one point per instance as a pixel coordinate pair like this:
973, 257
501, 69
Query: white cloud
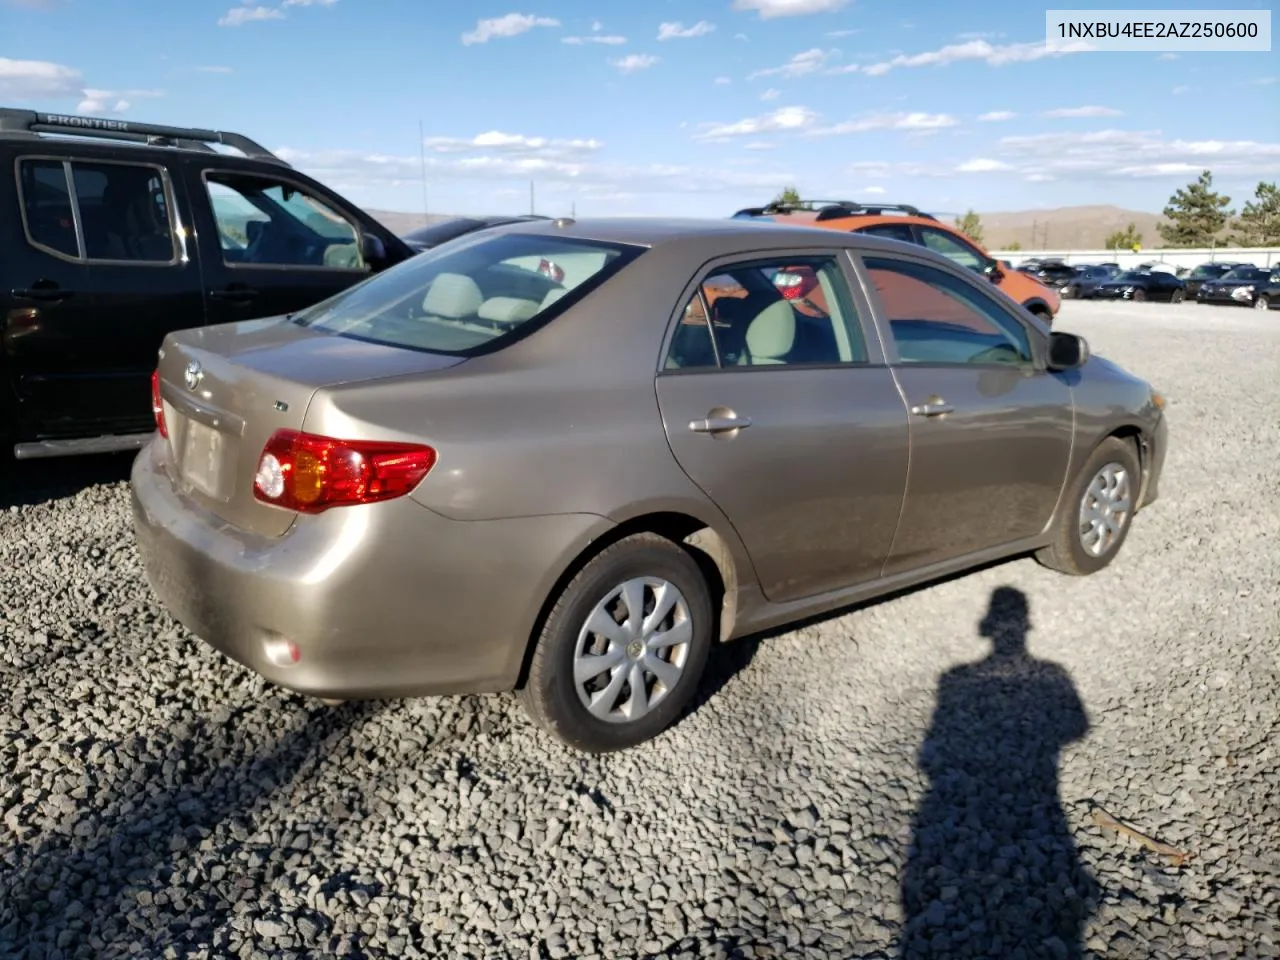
888, 121
1264, 81
38, 80
771, 9
723, 81
1168, 56
981, 50
678, 31
740, 36
837, 34
515, 144
759, 145
112, 101
1177, 91
784, 119
308, 3
634, 61
606, 38
1090, 111
215, 70
511, 25
874, 191
983, 165
995, 116
802, 64
239, 16
979, 35
770, 94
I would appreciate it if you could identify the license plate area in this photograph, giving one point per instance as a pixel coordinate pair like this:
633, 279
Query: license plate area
206, 453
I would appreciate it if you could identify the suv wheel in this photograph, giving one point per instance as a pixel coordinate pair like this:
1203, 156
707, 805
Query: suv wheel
624, 647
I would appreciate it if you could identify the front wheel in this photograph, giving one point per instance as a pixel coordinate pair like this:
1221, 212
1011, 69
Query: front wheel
1139, 295
1175, 297
624, 647
1095, 521
1262, 303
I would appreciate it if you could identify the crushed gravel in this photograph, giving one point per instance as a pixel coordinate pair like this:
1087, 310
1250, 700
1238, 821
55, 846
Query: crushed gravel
916, 778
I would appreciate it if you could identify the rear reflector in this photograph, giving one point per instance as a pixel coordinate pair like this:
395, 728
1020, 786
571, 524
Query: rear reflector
157, 405
310, 473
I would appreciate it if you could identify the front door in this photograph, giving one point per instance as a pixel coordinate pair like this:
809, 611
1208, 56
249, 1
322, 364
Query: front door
269, 244
773, 407
991, 429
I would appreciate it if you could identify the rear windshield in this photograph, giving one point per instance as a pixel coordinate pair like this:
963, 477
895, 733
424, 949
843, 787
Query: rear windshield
473, 295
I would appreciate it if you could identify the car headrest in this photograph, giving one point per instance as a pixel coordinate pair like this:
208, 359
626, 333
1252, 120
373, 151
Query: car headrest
453, 296
772, 333
508, 309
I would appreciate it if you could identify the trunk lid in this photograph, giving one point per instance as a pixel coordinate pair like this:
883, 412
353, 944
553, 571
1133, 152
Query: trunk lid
227, 388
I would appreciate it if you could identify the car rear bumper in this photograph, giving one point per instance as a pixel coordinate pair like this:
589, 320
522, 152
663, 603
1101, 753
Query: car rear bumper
383, 600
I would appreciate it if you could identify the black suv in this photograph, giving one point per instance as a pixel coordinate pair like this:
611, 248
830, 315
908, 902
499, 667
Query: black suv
114, 233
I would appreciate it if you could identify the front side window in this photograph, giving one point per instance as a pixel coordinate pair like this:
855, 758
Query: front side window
935, 317
263, 222
953, 247
788, 311
472, 295
124, 212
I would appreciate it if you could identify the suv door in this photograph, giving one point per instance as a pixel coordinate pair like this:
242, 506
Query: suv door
270, 244
100, 278
777, 404
991, 427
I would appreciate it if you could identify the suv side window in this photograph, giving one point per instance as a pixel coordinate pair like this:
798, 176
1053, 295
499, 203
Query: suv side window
264, 222
935, 317
47, 216
890, 231
949, 245
789, 311
124, 212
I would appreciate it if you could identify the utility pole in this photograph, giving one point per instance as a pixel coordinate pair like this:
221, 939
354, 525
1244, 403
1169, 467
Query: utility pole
573, 210
422, 150
532, 210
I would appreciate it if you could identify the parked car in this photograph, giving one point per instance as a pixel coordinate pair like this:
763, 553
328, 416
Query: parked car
114, 233
1268, 297
434, 234
1054, 274
464, 475
1141, 285
908, 224
1084, 285
1197, 278
1239, 286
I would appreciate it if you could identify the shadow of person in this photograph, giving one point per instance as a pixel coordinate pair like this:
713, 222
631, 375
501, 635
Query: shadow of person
992, 870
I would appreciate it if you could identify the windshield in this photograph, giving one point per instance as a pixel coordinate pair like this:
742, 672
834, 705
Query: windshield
1207, 270
1132, 275
1245, 273
472, 296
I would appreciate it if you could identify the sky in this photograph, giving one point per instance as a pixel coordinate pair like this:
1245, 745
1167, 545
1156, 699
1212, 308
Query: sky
689, 107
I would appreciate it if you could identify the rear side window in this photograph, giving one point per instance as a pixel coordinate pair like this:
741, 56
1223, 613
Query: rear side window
471, 296
46, 207
118, 212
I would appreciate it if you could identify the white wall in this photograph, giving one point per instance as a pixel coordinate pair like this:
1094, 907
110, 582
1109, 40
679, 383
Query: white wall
1259, 256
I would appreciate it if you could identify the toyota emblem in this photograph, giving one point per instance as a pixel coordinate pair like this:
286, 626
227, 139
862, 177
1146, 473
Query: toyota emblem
193, 375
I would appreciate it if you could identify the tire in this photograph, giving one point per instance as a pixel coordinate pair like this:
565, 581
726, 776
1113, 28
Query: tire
552, 695
1068, 552
1139, 296
1262, 303
1175, 297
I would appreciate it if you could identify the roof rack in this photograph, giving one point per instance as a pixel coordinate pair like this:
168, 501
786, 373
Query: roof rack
833, 209
152, 134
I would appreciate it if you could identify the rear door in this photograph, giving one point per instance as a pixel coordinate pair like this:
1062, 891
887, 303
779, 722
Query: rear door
782, 411
991, 428
270, 244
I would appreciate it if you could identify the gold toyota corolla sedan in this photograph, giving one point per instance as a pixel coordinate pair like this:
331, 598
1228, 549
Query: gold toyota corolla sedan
565, 458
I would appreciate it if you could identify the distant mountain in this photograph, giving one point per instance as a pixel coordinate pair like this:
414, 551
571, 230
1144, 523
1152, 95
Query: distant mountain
1064, 228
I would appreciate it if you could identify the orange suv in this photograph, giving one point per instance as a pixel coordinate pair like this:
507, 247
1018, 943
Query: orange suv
895, 221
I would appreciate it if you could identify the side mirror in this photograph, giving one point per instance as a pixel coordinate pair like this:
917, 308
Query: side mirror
991, 270
372, 249
1067, 351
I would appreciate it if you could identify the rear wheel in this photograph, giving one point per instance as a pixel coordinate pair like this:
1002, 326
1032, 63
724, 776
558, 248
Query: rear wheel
1095, 521
1139, 295
1175, 297
1262, 303
623, 648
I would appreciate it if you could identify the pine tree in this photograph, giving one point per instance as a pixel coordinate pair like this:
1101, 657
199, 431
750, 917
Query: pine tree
971, 226
1259, 222
789, 196
1196, 214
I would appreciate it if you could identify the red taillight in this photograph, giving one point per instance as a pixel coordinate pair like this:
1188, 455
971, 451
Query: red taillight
794, 285
309, 473
157, 405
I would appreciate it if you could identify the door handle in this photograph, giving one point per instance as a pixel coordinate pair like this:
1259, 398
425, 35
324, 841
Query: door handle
935, 408
44, 294
719, 424
234, 294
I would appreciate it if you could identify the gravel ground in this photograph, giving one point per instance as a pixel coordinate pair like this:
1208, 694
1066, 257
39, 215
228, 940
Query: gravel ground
917, 777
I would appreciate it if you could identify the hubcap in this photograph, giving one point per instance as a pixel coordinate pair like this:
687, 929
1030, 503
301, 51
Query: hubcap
1105, 510
632, 650
1261, 304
